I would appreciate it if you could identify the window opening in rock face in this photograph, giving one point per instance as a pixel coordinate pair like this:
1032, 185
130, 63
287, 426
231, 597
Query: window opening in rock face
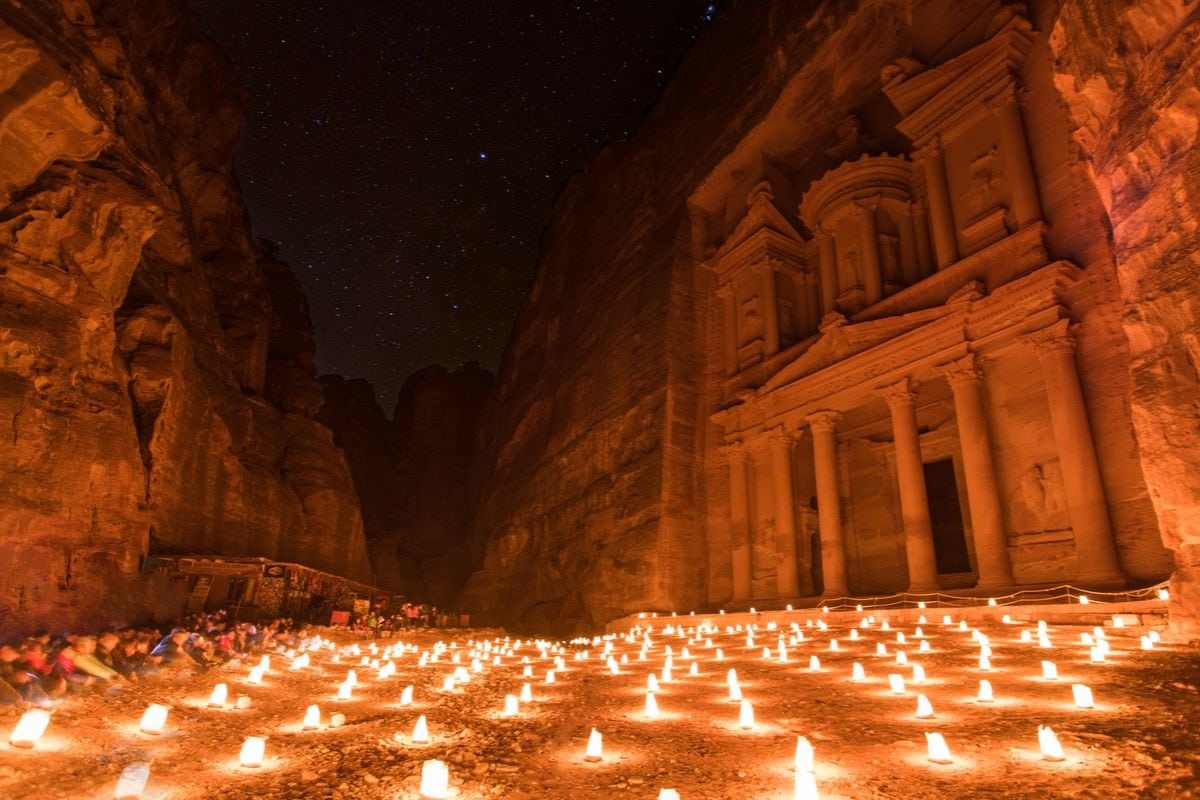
946, 519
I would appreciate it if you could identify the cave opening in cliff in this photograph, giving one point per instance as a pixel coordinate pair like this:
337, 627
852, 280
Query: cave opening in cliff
687, 400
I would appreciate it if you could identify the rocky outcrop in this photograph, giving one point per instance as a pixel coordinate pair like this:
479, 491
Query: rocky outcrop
1129, 74
156, 376
413, 473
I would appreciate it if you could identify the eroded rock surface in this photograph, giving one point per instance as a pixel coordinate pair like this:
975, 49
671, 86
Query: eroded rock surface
156, 377
413, 473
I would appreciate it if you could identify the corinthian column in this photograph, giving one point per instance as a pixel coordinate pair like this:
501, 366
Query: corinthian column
729, 328
941, 215
983, 496
869, 247
737, 456
914, 504
785, 514
829, 514
827, 251
1095, 549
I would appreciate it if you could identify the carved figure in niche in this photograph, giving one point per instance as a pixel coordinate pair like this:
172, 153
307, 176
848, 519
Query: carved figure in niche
1038, 502
786, 322
752, 320
851, 276
983, 183
889, 258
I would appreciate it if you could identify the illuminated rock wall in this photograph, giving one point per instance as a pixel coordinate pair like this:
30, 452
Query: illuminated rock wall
1129, 74
156, 376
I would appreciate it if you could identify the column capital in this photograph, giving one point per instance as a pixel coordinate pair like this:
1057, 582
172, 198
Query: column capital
932, 149
962, 371
868, 203
725, 291
1053, 339
734, 452
824, 421
898, 394
781, 436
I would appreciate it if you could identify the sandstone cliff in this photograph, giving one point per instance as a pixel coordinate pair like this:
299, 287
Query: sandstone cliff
412, 473
156, 378
598, 452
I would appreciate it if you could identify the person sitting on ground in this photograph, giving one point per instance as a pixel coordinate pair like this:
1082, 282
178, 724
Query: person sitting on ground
86, 663
172, 651
16, 684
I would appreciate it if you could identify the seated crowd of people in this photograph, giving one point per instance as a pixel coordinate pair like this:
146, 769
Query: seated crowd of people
43, 666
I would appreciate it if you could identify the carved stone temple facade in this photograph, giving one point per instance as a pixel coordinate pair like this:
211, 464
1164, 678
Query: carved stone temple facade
917, 375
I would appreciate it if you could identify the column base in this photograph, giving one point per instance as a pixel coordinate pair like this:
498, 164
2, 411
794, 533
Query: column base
922, 588
1007, 583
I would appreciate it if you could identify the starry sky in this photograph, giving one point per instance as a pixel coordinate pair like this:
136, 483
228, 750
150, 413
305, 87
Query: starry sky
404, 154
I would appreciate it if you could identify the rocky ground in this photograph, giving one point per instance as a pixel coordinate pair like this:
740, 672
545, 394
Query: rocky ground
1139, 741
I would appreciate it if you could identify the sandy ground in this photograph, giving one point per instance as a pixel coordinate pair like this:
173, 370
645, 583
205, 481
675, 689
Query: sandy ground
1140, 740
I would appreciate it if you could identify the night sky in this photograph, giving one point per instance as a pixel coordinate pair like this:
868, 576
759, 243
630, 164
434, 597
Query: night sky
404, 154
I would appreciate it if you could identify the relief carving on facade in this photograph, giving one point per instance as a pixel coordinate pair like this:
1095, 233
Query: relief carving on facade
1038, 503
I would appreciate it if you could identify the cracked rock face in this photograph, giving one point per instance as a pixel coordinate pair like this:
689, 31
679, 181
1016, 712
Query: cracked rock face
156, 376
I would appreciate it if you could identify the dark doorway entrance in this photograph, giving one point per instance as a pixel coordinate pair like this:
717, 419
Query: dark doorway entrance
945, 516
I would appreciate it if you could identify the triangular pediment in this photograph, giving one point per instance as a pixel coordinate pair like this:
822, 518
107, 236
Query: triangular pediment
762, 217
839, 342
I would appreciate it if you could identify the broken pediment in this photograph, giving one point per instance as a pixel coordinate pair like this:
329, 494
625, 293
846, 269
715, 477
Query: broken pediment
841, 341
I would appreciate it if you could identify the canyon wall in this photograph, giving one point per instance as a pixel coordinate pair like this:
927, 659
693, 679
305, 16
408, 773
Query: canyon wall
157, 388
601, 490
1129, 74
412, 474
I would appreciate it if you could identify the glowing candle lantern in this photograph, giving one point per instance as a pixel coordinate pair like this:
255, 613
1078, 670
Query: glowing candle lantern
746, 716
1083, 600
1006, 619
253, 750
901, 657
29, 728
668, 794
526, 693
420, 731
406, 696
962, 626
991, 601
435, 780
550, 676
1044, 641
1050, 746
651, 707
1147, 643
939, 751
242, 702
1154, 637
694, 669
814, 664
1083, 696
881, 649
132, 782
312, 718
219, 694
461, 675
1049, 671
896, 682
345, 691
947, 619
448, 683
806, 787
595, 746
918, 673
351, 677
510, 705
854, 634
1026, 636
857, 673
256, 675
833, 645
1118, 622
651, 683
735, 688
1097, 655
885, 626
1164, 595
924, 707
719, 655
527, 672
924, 646
985, 692
613, 667
154, 718
985, 664
805, 755
900, 637
264, 663
1086, 639
766, 654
